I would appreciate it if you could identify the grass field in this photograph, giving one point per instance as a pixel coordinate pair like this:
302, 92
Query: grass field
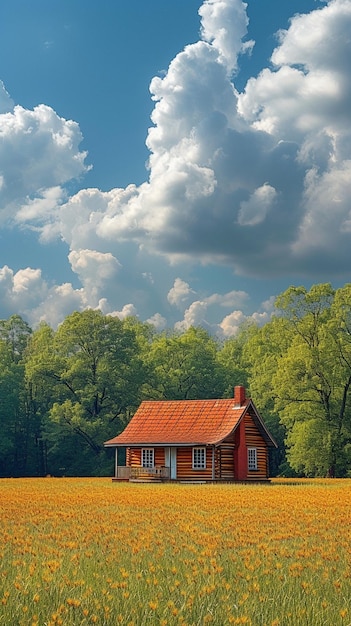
89, 551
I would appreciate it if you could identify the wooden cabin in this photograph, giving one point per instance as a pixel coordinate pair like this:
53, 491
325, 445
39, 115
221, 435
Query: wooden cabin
195, 440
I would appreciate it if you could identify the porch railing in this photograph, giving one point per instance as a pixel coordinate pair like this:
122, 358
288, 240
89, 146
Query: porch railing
130, 473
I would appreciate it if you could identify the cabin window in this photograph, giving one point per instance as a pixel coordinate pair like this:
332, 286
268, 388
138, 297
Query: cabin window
252, 458
147, 457
199, 458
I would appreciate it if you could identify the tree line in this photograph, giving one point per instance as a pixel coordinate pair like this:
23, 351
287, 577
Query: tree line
64, 392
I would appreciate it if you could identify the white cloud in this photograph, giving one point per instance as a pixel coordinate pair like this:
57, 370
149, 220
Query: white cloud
327, 213
95, 270
127, 311
257, 181
6, 280
26, 293
198, 313
91, 265
179, 293
214, 171
46, 201
158, 321
309, 91
59, 302
254, 210
39, 151
193, 316
224, 25
230, 299
231, 323
222, 161
22, 289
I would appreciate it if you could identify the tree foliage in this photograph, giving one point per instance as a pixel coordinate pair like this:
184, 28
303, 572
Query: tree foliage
184, 366
16, 429
65, 391
91, 371
310, 377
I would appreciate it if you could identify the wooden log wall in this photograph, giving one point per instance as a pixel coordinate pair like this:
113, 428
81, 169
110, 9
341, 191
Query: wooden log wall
255, 440
225, 462
134, 456
185, 465
159, 456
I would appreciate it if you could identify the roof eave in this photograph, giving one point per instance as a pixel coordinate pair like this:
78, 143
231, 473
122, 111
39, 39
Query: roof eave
161, 444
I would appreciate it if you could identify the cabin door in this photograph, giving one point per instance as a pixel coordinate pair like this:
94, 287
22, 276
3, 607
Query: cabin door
171, 462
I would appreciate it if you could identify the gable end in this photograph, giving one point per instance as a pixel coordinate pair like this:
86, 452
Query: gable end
262, 429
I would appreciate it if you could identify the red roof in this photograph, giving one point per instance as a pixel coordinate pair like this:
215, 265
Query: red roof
181, 422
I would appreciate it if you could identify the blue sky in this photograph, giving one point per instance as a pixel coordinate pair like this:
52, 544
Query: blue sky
174, 160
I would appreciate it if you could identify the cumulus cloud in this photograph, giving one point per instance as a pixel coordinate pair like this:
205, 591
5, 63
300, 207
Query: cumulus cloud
198, 312
233, 177
231, 323
158, 321
224, 25
59, 301
230, 299
179, 293
95, 270
127, 311
258, 181
39, 151
21, 289
194, 316
26, 293
92, 266
40, 207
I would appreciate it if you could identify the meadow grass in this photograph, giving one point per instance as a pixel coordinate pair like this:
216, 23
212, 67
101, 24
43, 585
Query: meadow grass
90, 551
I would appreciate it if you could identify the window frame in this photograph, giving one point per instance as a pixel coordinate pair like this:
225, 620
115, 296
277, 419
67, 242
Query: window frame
252, 464
148, 457
199, 458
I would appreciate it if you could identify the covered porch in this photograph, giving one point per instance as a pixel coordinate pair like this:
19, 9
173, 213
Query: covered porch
175, 463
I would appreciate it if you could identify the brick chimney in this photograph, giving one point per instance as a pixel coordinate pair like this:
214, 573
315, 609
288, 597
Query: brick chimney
239, 395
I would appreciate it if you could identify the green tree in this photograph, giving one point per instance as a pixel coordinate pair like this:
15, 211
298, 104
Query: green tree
17, 431
41, 362
184, 366
91, 371
10, 391
15, 332
261, 354
312, 382
231, 357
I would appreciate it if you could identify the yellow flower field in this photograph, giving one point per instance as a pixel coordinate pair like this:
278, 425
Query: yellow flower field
90, 551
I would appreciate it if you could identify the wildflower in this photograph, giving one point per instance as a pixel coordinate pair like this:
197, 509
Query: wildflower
153, 605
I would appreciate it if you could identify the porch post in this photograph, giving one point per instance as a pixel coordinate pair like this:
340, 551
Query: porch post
213, 463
